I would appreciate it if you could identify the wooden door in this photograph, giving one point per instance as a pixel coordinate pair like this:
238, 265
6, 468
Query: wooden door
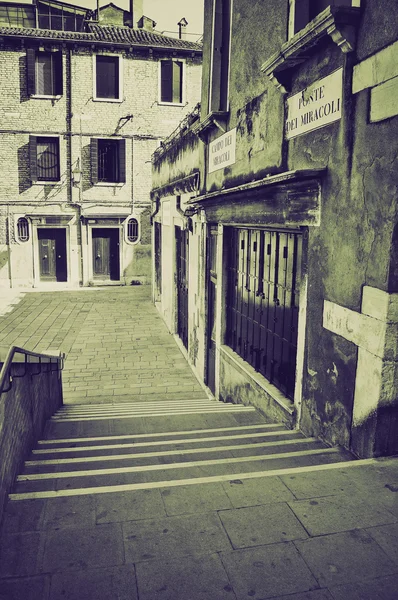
106, 254
182, 254
52, 254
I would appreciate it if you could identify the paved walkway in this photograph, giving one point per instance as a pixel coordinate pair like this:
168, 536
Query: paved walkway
116, 343
147, 492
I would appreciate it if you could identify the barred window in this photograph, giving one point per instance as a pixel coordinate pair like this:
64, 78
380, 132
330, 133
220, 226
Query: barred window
108, 161
263, 301
132, 230
23, 229
44, 158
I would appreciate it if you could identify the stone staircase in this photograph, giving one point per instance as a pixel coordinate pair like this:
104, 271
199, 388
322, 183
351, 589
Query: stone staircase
104, 448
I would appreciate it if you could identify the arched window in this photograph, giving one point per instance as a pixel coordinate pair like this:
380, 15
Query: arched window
23, 229
132, 230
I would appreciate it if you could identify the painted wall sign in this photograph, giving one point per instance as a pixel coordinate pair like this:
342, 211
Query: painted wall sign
316, 106
222, 151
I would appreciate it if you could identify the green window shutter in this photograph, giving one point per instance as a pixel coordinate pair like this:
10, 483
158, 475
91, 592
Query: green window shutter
30, 71
58, 76
122, 161
94, 160
166, 77
33, 157
177, 81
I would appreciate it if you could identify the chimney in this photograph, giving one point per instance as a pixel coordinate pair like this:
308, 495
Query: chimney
146, 23
135, 13
182, 25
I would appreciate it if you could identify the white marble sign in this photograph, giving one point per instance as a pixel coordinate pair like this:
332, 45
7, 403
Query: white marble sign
316, 106
222, 151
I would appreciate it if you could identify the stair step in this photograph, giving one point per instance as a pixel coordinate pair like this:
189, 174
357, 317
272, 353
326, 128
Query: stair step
338, 463
169, 435
158, 412
214, 441
90, 462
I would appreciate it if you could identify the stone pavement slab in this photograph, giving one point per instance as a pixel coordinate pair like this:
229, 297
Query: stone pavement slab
114, 583
345, 557
382, 588
261, 525
338, 513
267, 572
129, 506
193, 578
195, 499
252, 492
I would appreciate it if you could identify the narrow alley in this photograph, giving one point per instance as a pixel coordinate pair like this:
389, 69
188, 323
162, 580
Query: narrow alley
145, 488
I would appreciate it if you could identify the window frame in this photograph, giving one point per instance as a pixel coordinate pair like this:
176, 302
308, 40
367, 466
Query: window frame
20, 239
224, 71
128, 240
34, 167
182, 84
120, 61
293, 30
94, 151
31, 66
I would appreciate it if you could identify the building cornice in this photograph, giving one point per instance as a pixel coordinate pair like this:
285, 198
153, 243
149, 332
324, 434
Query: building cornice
337, 22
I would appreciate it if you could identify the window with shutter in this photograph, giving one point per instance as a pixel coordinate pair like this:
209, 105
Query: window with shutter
107, 77
44, 73
44, 158
108, 161
219, 79
171, 81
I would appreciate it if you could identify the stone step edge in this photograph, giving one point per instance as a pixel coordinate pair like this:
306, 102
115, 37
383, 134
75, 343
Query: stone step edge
159, 434
235, 477
202, 440
181, 451
177, 465
198, 411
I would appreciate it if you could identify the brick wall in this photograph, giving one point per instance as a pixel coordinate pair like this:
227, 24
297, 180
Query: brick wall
25, 409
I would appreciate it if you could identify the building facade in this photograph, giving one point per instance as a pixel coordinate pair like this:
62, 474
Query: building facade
83, 107
276, 215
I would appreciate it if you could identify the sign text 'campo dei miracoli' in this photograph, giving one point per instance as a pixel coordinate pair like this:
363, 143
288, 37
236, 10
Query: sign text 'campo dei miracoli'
318, 105
222, 151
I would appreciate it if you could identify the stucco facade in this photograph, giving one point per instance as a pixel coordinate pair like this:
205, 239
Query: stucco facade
81, 217
292, 165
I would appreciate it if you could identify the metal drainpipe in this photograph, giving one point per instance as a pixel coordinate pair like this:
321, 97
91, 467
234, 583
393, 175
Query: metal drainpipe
9, 245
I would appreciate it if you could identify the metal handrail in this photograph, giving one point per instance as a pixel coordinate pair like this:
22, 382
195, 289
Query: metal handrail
5, 374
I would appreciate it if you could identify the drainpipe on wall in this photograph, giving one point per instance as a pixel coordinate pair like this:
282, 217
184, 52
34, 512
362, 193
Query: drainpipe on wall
9, 245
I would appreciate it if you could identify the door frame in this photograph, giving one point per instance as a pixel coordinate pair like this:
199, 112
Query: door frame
37, 282
89, 254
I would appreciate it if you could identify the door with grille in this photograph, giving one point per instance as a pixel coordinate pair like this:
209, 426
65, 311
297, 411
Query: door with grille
264, 269
182, 257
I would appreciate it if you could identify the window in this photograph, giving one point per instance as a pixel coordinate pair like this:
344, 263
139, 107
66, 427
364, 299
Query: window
263, 301
108, 161
44, 158
44, 72
219, 79
301, 12
171, 81
23, 229
107, 77
132, 230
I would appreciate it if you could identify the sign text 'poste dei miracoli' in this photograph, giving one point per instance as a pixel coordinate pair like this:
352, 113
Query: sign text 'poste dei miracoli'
316, 106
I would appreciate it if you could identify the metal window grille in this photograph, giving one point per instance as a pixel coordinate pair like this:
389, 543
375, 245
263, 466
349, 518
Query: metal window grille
23, 229
263, 301
132, 230
108, 160
47, 159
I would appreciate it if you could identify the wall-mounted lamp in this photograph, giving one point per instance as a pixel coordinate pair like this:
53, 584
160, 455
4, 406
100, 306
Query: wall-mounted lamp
77, 173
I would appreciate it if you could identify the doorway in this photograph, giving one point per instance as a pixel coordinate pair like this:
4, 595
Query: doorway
106, 261
182, 256
52, 254
211, 308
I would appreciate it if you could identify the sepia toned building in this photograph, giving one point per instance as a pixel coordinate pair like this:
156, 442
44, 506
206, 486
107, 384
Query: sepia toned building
275, 214
86, 99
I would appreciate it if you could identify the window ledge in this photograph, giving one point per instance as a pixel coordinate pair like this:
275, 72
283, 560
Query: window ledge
180, 104
114, 100
44, 97
337, 22
214, 119
46, 182
109, 184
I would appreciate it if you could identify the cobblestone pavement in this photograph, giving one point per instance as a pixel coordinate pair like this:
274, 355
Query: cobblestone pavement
115, 342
